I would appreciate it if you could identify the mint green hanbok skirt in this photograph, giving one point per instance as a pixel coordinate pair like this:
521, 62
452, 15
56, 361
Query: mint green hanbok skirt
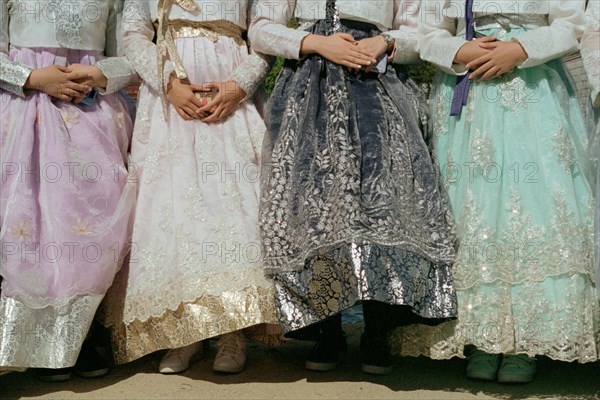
515, 168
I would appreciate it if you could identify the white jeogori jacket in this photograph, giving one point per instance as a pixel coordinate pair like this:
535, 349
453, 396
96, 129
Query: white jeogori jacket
553, 28
75, 24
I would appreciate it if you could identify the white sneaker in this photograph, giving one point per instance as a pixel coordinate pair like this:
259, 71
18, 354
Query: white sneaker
231, 357
178, 360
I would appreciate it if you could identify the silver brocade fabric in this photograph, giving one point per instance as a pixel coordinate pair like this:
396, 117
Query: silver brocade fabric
49, 337
332, 17
339, 279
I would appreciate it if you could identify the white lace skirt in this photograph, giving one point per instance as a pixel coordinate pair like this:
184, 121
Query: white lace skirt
195, 270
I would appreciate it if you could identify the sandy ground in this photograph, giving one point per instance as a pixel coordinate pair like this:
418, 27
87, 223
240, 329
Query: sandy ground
278, 373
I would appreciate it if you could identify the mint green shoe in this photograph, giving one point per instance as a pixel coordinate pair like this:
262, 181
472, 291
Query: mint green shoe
517, 368
483, 366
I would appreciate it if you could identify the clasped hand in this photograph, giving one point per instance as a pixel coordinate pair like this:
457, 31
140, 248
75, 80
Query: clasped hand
64, 83
343, 49
181, 94
489, 59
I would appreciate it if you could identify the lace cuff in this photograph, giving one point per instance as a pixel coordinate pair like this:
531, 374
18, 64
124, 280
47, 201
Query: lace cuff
118, 71
13, 75
406, 48
250, 74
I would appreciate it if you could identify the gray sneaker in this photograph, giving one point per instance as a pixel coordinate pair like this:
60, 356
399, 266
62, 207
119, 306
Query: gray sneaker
231, 356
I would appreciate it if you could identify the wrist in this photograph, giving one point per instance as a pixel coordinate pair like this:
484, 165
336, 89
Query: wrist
458, 59
387, 43
310, 44
31, 82
100, 79
523, 56
170, 81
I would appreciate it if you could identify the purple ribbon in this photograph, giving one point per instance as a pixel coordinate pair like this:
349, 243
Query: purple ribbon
461, 90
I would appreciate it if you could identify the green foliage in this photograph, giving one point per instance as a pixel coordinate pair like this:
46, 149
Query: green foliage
272, 76
422, 73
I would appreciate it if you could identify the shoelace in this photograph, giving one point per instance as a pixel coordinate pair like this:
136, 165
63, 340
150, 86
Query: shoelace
230, 345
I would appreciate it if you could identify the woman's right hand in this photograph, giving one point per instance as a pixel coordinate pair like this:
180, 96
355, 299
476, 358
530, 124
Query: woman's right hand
339, 48
58, 82
471, 50
181, 94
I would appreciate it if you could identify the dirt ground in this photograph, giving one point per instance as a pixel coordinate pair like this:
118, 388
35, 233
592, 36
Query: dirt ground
278, 373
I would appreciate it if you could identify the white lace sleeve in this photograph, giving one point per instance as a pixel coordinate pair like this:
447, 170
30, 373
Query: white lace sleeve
252, 72
13, 75
138, 32
590, 48
404, 30
437, 40
268, 31
559, 38
118, 69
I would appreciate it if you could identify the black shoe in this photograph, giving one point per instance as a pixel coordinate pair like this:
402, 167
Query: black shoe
54, 374
327, 353
90, 364
376, 357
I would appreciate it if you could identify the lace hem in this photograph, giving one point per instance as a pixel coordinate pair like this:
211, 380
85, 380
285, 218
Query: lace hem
205, 317
284, 264
527, 322
49, 337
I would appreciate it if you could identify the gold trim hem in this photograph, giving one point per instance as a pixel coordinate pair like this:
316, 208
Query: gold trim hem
251, 309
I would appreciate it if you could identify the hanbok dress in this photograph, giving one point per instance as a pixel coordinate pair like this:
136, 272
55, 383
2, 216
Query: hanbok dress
590, 52
519, 181
195, 268
64, 210
351, 208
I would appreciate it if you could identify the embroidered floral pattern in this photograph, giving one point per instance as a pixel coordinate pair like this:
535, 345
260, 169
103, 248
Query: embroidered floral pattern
68, 22
317, 190
70, 116
82, 228
23, 231
482, 152
563, 148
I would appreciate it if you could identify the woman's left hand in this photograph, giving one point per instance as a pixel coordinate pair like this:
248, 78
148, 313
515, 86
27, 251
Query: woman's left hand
98, 78
502, 58
225, 102
375, 45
